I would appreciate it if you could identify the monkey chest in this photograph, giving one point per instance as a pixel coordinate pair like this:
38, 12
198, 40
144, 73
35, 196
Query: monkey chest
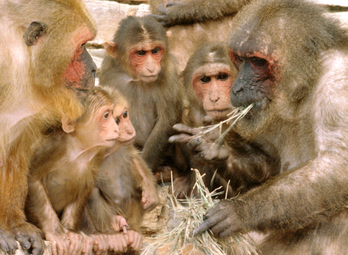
143, 117
66, 188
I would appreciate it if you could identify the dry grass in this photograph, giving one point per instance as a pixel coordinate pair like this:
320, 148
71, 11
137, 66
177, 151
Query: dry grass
235, 115
190, 213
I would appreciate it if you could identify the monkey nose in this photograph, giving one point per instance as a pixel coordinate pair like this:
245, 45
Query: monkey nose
214, 99
151, 70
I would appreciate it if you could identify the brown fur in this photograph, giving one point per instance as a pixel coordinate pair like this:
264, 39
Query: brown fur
301, 109
64, 169
193, 23
125, 184
33, 66
121, 184
247, 165
155, 106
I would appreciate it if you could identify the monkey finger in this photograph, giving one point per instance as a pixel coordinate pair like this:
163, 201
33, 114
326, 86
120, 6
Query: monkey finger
54, 247
95, 247
204, 226
181, 138
216, 151
207, 120
196, 144
37, 246
187, 129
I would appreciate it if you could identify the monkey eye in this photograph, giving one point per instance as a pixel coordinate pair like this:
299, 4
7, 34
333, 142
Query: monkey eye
141, 53
205, 79
106, 115
155, 50
258, 61
222, 76
125, 114
117, 120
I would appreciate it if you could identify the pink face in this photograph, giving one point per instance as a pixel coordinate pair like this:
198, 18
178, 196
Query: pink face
106, 129
212, 85
145, 60
127, 131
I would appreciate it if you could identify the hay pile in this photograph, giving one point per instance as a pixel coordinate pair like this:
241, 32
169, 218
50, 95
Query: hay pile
189, 213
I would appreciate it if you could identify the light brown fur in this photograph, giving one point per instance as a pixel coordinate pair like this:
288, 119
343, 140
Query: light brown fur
33, 95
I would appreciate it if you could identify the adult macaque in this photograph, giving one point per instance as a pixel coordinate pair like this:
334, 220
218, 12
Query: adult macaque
208, 78
193, 23
141, 68
63, 172
291, 57
41, 55
125, 183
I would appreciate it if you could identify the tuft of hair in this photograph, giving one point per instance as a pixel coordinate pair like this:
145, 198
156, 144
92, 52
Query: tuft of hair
96, 98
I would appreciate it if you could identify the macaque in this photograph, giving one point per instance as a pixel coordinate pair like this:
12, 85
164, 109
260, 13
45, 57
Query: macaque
63, 172
140, 67
125, 184
240, 164
44, 65
291, 60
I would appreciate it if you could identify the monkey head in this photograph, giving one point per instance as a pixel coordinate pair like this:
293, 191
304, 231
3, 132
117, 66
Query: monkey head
61, 58
209, 72
277, 59
140, 46
96, 127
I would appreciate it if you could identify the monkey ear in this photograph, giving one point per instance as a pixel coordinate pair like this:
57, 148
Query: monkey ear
111, 48
68, 125
34, 32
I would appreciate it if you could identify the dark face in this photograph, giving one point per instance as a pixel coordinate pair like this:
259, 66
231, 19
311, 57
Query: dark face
254, 81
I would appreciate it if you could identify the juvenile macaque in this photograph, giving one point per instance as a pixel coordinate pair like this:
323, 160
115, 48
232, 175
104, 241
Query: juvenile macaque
125, 184
63, 172
140, 67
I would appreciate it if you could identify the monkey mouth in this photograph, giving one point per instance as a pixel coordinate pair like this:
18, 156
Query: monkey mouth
219, 114
111, 142
149, 78
127, 142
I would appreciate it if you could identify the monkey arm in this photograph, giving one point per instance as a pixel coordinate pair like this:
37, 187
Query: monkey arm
292, 201
39, 208
178, 13
169, 111
146, 180
100, 211
72, 214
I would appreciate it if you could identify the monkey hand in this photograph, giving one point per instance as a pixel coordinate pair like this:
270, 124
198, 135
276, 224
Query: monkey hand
201, 142
119, 223
30, 237
222, 220
7, 243
87, 245
183, 186
59, 241
134, 240
164, 16
149, 198
77, 242
118, 242
100, 243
